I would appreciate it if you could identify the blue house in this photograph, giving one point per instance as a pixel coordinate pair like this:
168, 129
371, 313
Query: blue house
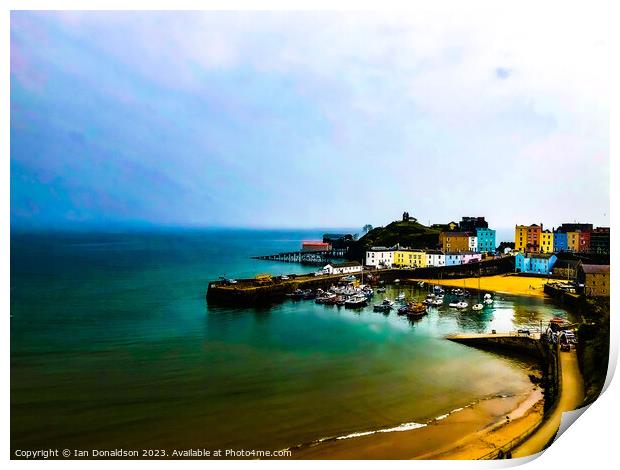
452, 259
560, 241
486, 240
535, 263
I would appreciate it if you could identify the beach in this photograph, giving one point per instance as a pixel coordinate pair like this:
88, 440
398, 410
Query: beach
473, 432
503, 284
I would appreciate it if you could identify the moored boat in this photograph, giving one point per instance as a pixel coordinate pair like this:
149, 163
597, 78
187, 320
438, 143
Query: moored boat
356, 301
384, 306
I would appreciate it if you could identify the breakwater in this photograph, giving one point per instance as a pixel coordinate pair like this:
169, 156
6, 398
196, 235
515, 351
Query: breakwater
256, 290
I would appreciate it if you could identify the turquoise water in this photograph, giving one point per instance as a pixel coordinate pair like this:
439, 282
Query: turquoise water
113, 345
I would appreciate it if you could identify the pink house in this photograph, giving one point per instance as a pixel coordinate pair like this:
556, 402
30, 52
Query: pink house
470, 257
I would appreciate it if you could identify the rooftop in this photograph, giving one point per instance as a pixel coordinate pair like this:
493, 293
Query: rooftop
595, 268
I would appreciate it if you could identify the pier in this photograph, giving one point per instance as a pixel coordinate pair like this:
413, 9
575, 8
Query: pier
306, 257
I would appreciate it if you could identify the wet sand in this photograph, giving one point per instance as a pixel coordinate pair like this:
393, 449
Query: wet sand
517, 285
470, 433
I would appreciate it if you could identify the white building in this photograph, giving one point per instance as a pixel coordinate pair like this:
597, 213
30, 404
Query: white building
435, 258
473, 243
343, 268
380, 257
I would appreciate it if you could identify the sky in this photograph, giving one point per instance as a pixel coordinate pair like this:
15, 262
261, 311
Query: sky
308, 119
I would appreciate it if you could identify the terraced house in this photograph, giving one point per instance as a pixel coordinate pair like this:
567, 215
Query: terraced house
546, 241
486, 240
527, 237
454, 241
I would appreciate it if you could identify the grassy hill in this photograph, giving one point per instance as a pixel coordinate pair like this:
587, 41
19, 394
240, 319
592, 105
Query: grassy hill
409, 234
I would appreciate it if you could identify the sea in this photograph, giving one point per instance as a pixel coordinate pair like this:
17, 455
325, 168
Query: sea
114, 346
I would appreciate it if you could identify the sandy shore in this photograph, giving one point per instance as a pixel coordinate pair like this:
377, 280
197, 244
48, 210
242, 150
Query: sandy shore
470, 433
517, 285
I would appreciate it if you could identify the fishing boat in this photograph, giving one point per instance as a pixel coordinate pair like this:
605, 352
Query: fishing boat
356, 301
416, 310
325, 298
340, 300
401, 297
384, 306
296, 294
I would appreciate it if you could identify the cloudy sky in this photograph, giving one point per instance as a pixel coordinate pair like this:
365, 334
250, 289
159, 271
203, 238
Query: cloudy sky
307, 119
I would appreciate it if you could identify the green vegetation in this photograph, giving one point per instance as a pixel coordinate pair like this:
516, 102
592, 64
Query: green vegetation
408, 233
593, 347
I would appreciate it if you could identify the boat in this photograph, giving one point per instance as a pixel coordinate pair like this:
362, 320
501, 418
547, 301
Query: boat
401, 297
421, 283
325, 298
437, 289
296, 294
396, 281
477, 307
488, 301
461, 305
437, 302
381, 290
309, 295
384, 306
454, 304
340, 300
416, 310
356, 301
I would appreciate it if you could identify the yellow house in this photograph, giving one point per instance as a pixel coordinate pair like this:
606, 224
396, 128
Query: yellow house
572, 240
406, 258
546, 241
521, 237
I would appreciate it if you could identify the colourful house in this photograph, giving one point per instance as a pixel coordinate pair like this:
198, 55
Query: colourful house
486, 240
470, 257
535, 263
380, 257
435, 258
452, 259
573, 241
546, 241
408, 258
560, 241
527, 238
584, 241
454, 241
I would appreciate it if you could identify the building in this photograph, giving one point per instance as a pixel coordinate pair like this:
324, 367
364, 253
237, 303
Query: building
486, 240
546, 241
566, 268
435, 258
599, 240
535, 263
595, 279
576, 227
454, 241
560, 241
449, 227
527, 238
350, 267
473, 243
572, 241
584, 241
380, 257
470, 224
452, 259
470, 257
408, 258
314, 245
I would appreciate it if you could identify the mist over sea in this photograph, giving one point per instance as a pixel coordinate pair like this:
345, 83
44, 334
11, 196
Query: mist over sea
113, 345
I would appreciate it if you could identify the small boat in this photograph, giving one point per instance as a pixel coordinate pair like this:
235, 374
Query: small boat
438, 302
381, 290
477, 307
384, 306
416, 310
421, 283
340, 300
401, 297
488, 301
309, 295
325, 299
296, 294
461, 305
454, 304
396, 281
487, 296
356, 301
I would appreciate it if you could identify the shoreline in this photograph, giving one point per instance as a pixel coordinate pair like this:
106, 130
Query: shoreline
501, 284
466, 433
